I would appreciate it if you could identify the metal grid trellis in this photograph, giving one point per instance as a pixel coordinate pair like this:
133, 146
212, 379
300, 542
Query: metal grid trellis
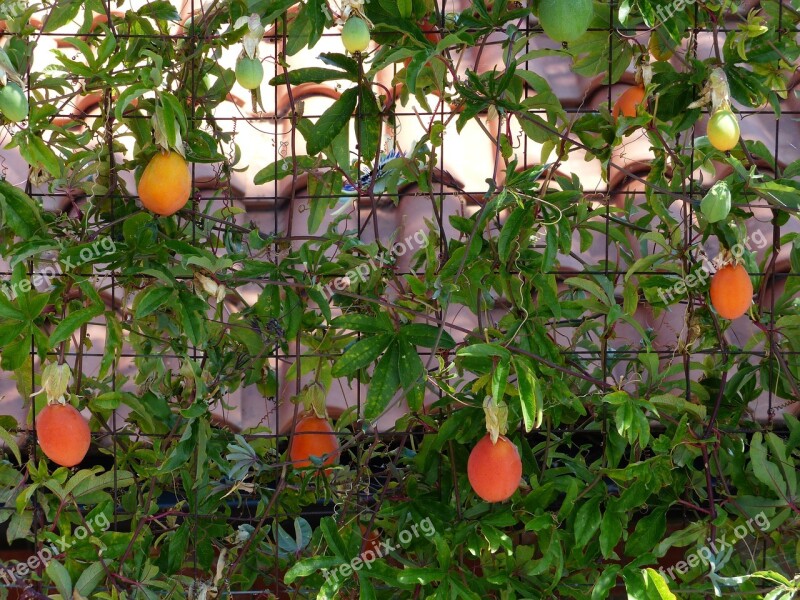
279, 213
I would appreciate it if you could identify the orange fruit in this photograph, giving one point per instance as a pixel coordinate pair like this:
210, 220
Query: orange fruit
313, 437
63, 434
371, 540
494, 470
731, 291
628, 102
431, 32
166, 184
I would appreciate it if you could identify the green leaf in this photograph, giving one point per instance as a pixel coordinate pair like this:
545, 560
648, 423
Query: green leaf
358, 322
606, 582
309, 566
181, 453
20, 212
335, 541
587, 520
368, 124
420, 576
151, 300
344, 62
332, 122
43, 156
322, 302
285, 167
162, 10
385, 382
292, 308
113, 345
73, 321
410, 364
362, 353
193, 324
10, 331
655, 583
127, 96
15, 354
86, 488
510, 233
648, 532
311, 75
764, 470
422, 334
177, 548
592, 288
500, 379
60, 577
530, 393
484, 351
610, 533
61, 14
11, 443
785, 462
299, 34
90, 579
367, 590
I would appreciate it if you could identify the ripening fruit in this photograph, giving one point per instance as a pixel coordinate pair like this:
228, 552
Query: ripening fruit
371, 540
355, 35
731, 291
13, 103
166, 184
494, 470
249, 72
723, 130
628, 102
565, 20
63, 434
313, 437
658, 49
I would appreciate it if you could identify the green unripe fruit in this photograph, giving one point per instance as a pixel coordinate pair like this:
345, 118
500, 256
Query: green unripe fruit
565, 20
13, 103
249, 72
355, 35
723, 130
716, 205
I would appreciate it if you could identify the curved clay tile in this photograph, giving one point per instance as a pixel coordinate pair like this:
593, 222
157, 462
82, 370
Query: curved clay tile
79, 109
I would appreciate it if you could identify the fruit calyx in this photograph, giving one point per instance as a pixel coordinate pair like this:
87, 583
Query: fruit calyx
496, 414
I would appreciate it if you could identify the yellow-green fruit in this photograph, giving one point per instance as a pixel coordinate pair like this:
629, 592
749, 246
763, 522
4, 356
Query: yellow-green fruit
249, 72
658, 48
565, 20
13, 103
355, 35
723, 130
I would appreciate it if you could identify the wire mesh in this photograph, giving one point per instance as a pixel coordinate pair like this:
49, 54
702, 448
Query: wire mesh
278, 214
